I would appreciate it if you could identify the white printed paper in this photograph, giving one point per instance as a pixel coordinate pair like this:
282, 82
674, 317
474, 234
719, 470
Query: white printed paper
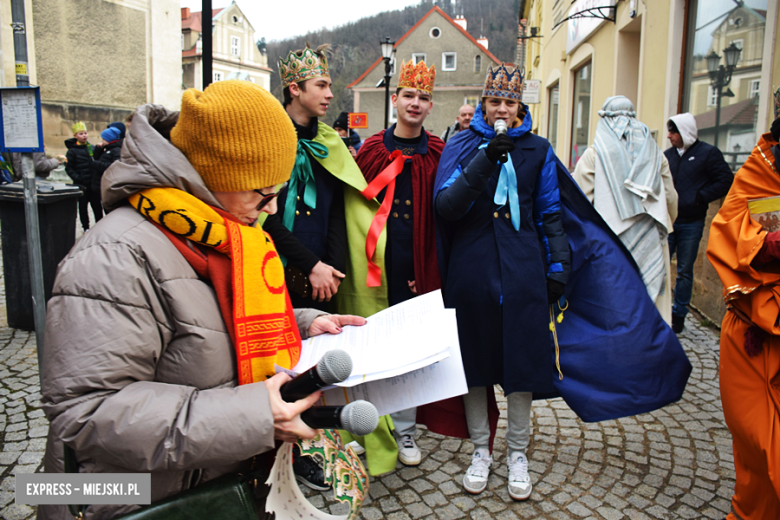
429, 384
405, 334
20, 119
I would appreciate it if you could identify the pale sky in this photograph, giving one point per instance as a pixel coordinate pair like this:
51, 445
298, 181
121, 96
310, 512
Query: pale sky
279, 19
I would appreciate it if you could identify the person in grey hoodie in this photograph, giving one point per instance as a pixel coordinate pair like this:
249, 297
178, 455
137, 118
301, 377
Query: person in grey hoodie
701, 176
140, 370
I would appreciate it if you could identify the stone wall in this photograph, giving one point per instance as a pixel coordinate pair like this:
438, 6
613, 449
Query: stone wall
91, 53
58, 118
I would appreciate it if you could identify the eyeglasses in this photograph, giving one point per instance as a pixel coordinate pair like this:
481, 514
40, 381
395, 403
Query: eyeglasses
268, 197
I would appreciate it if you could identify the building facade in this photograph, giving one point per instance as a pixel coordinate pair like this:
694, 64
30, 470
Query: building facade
461, 64
234, 54
98, 64
654, 53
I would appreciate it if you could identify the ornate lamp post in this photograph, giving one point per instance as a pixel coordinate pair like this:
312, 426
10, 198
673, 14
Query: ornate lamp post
720, 77
387, 54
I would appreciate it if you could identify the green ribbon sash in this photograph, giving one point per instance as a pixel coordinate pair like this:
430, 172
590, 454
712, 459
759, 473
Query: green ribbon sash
302, 173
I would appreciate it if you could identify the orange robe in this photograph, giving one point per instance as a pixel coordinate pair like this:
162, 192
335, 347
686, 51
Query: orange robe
750, 386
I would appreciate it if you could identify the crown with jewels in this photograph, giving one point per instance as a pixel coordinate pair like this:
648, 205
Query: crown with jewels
502, 83
302, 65
418, 77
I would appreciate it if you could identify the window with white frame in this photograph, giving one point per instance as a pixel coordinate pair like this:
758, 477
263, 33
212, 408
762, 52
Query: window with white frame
471, 100
712, 96
477, 63
449, 60
754, 87
235, 46
217, 76
393, 116
182, 42
417, 57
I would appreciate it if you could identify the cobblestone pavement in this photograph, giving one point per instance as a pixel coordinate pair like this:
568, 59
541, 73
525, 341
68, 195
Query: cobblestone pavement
673, 463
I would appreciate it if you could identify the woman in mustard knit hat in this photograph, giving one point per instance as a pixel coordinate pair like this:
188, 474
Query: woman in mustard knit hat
171, 378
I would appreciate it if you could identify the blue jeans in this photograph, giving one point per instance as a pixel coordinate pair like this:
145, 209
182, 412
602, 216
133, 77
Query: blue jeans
685, 241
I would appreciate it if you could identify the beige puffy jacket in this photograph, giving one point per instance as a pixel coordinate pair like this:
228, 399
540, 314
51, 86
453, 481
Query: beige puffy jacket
139, 373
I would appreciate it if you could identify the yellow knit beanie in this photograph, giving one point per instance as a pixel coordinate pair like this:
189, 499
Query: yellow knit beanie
236, 135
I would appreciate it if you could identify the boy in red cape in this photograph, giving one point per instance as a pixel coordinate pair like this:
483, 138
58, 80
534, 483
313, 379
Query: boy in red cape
400, 165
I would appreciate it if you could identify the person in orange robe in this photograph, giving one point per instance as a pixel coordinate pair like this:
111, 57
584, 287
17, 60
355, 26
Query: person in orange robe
747, 259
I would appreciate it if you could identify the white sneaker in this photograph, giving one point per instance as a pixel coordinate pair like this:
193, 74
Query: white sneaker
475, 480
408, 452
519, 481
356, 447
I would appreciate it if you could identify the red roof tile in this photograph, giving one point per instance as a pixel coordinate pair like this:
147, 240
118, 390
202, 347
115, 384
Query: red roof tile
195, 21
742, 113
410, 31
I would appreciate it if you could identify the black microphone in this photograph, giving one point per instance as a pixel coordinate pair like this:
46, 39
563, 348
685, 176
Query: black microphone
500, 128
334, 367
358, 418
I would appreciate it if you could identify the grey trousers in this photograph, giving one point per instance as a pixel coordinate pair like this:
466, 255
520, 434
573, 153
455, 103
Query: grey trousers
405, 422
519, 418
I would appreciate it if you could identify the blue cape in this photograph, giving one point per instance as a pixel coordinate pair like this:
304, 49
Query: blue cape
618, 356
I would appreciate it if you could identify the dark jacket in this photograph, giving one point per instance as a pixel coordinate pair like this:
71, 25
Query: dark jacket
79, 165
356, 142
700, 176
104, 157
318, 233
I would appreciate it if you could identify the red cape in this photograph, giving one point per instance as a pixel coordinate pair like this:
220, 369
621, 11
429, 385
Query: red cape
446, 417
372, 159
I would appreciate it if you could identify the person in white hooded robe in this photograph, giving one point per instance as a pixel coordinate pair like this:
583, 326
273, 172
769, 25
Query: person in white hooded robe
627, 178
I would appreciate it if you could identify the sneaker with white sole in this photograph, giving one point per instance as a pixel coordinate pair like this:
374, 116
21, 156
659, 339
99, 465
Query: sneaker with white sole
356, 447
408, 452
519, 481
475, 480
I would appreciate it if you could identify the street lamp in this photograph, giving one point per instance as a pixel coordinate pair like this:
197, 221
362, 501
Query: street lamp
720, 77
387, 54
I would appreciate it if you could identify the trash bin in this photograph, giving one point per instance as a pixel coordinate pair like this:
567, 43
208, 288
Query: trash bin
57, 222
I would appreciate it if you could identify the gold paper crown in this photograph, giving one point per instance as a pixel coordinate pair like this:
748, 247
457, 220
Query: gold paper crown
501, 83
418, 76
302, 65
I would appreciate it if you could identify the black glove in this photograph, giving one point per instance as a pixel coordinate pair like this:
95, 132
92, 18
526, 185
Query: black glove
775, 129
500, 145
554, 291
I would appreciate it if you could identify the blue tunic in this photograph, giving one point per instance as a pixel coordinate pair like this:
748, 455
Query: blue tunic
399, 252
321, 230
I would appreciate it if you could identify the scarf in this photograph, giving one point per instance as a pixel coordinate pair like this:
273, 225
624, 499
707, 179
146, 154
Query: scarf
374, 159
244, 268
628, 166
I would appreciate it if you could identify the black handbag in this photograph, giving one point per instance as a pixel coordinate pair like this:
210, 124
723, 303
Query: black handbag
230, 497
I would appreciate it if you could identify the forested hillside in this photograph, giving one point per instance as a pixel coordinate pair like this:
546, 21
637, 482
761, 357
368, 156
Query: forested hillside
355, 45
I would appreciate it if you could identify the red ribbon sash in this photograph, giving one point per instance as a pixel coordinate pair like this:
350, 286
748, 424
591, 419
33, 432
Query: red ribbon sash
385, 179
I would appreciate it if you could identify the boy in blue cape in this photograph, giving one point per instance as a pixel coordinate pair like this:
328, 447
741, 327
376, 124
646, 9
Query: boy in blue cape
533, 237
